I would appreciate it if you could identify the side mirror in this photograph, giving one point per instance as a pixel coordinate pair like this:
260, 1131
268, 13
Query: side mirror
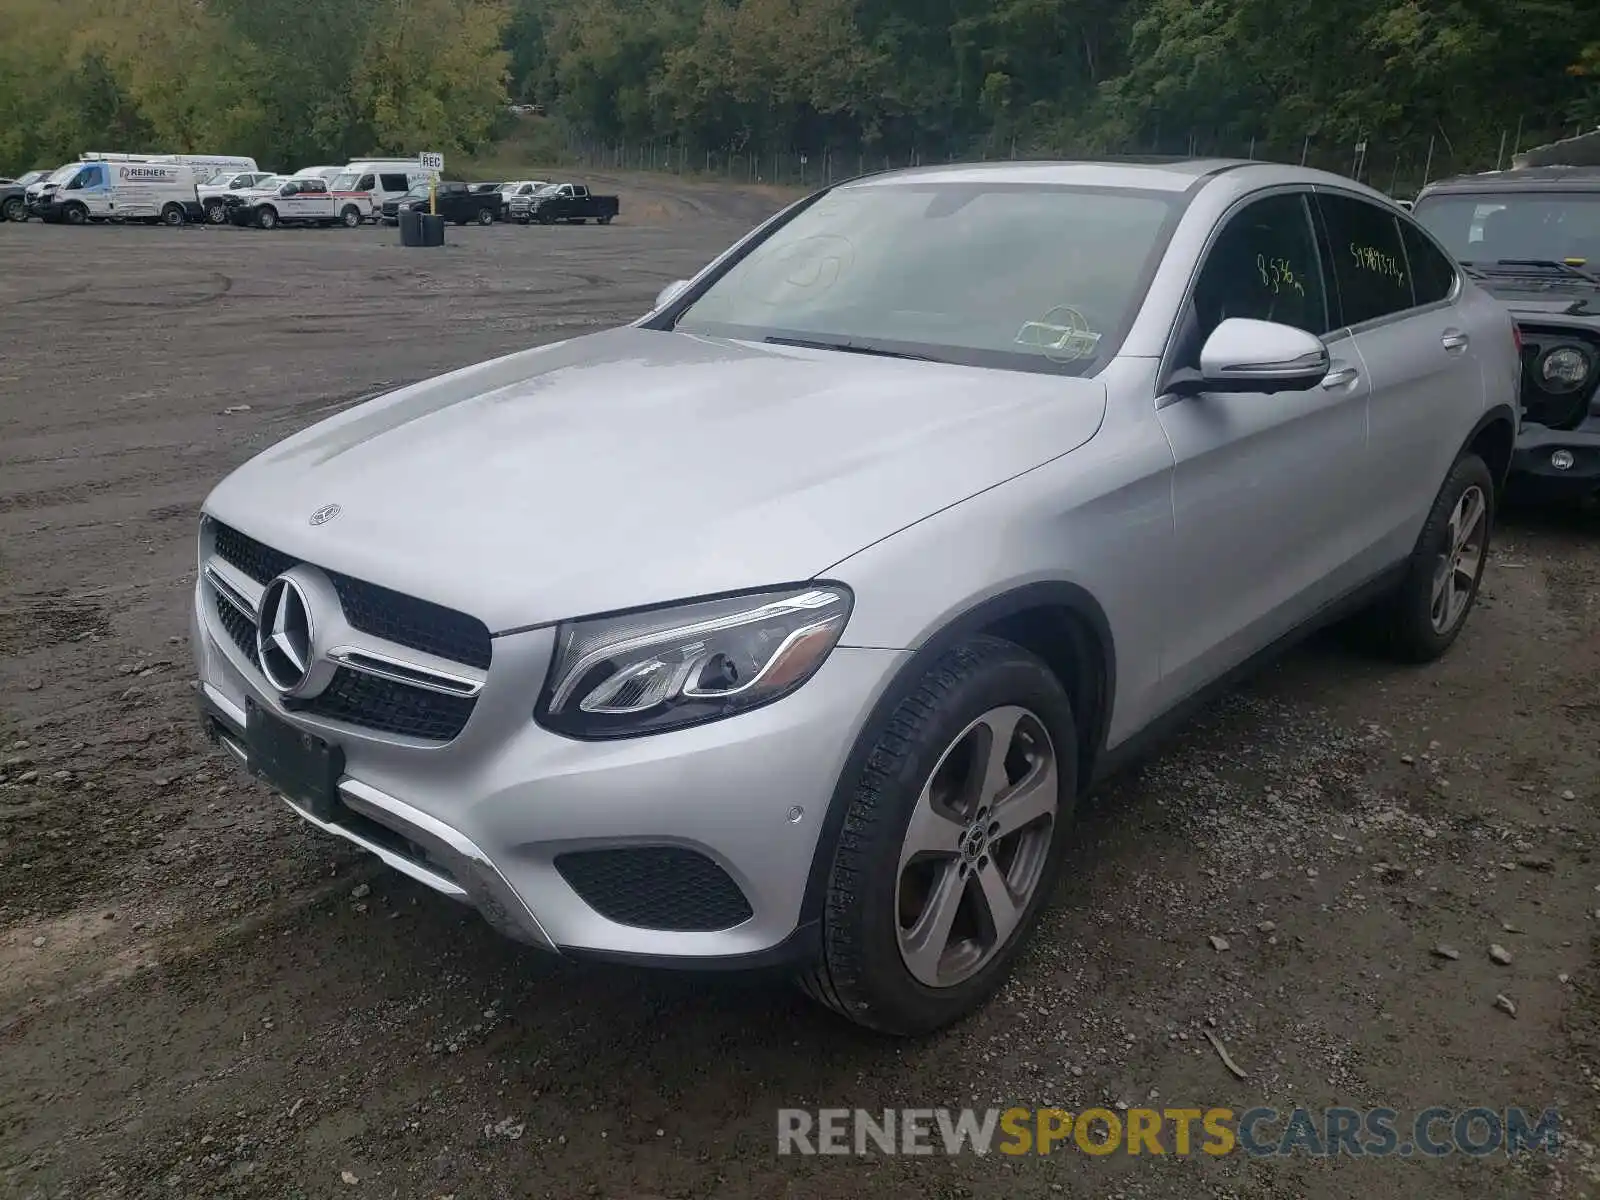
670, 293
1244, 355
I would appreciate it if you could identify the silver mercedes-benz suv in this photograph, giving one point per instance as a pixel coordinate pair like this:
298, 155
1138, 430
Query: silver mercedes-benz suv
785, 626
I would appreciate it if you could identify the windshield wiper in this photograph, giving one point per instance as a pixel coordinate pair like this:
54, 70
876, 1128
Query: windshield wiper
1547, 264
846, 347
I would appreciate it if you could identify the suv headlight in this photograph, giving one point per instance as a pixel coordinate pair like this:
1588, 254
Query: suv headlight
648, 672
1564, 368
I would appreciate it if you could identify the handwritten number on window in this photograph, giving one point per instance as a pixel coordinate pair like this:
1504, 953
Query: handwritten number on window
1277, 274
1369, 258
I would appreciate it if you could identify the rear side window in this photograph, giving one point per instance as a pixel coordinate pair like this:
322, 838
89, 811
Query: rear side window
392, 183
1432, 275
1369, 260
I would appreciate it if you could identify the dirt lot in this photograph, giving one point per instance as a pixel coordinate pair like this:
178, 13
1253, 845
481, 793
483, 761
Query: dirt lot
200, 997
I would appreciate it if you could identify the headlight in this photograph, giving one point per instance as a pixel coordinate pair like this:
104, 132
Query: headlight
1564, 368
649, 672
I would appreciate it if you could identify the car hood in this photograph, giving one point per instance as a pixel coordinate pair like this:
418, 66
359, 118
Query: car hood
1544, 297
636, 467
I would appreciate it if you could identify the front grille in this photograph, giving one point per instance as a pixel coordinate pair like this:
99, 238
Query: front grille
240, 627
261, 563
656, 887
419, 624
404, 620
373, 703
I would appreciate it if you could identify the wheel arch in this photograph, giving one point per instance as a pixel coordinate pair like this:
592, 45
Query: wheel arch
1060, 622
1493, 439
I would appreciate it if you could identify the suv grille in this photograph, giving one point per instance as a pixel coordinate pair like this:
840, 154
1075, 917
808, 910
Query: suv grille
419, 624
354, 697
656, 887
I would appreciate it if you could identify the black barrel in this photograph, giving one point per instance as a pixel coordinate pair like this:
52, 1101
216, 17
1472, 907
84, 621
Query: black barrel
410, 227
432, 230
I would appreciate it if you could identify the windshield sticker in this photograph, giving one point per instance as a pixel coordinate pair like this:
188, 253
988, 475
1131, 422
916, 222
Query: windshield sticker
1062, 333
1369, 258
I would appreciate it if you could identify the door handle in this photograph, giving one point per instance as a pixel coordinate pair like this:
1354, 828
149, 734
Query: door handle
1454, 339
1339, 377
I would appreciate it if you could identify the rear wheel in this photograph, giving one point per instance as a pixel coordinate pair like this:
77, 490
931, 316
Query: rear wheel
485, 216
267, 217
603, 220
1426, 613
951, 843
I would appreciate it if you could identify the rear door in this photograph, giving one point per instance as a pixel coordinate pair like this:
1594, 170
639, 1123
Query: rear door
1399, 295
1266, 489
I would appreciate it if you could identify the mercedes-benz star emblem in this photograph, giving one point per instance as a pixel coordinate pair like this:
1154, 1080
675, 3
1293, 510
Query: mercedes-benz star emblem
283, 636
325, 514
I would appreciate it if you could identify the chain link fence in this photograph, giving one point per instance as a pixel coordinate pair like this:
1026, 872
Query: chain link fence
1397, 168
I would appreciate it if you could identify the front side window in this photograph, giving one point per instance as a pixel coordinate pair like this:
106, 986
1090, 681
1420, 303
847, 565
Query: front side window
1263, 266
1369, 260
1023, 276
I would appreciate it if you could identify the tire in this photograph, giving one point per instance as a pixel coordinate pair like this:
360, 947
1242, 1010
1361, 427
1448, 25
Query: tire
267, 217
216, 213
173, 215
350, 216
14, 209
75, 214
603, 220
1417, 623
485, 216
864, 969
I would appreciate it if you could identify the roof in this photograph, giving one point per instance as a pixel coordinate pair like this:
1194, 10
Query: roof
1136, 172
1522, 179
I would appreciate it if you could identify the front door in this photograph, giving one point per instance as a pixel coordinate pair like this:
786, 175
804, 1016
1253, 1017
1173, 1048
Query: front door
1266, 488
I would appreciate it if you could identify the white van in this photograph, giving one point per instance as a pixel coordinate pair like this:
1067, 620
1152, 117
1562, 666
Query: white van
124, 189
205, 166
326, 174
381, 178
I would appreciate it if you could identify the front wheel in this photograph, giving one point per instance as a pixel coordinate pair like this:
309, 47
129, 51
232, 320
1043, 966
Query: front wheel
350, 216
75, 214
951, 843
267, 218
1427, 612
14, 209
172, 214
216, 212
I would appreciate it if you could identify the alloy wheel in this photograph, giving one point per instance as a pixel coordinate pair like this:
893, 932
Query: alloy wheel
1456, 575
975, 848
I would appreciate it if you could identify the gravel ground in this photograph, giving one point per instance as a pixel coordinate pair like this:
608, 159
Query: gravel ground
200, 997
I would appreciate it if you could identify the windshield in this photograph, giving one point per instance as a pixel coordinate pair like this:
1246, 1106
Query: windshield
1493, 227
62, 174
1026, 276
419, 191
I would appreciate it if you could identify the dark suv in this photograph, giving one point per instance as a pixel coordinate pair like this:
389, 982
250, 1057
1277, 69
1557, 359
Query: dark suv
1532, 238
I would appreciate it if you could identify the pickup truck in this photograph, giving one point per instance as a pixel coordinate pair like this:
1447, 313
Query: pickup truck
298, 201
457, 202
570, 202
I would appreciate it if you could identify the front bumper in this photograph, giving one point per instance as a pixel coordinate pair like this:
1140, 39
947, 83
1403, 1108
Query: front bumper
484, 817
1535, 475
